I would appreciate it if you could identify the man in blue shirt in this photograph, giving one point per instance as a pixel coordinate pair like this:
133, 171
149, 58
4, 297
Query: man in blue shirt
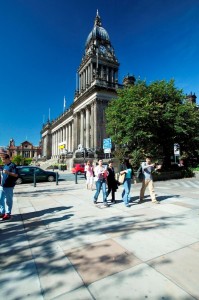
8, 180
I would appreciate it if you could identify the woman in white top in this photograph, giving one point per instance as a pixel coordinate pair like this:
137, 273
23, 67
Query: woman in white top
89, 175
101, 174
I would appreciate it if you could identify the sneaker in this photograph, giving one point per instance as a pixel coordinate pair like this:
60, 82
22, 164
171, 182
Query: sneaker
2, 215
127, 205
156, 202
6, 217
95, 202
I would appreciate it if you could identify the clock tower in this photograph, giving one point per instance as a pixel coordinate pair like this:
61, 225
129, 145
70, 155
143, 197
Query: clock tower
83, 126
96, 84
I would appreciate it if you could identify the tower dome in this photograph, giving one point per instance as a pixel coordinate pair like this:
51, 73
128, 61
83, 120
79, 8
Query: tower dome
98, 32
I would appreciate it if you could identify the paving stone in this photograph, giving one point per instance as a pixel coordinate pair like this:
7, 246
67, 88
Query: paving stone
79, 294
15, 256
20, 281
195, 246
182, 267
154, 242
190, 226
172, 208
139, 282
56, 273
104, 258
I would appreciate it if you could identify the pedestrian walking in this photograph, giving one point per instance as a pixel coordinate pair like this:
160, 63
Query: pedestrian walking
89, 175
147, 169
8, 180
100, 178
129, 174
85, 170
111, 182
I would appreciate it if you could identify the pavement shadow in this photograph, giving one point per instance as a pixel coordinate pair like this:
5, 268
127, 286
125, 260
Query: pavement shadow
36, 193
18, 238
44, 212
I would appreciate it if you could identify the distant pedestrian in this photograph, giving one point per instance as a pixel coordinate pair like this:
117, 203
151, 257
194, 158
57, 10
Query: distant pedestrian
89, 175
111, 181
8, 180
100, 180
129, 174
147, 169
85, 170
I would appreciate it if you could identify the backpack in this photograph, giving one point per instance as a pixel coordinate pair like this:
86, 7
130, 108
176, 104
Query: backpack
140, 174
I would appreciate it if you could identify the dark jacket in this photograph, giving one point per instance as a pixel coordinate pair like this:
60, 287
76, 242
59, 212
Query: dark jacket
111, 181
7, 180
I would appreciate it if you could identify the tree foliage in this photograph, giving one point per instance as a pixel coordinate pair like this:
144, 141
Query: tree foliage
151, 118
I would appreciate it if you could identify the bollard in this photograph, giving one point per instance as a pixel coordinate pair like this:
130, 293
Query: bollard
56, 178
76, 177
34, 176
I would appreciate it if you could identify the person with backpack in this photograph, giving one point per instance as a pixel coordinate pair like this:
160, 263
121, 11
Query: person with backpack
8, 180
147, 179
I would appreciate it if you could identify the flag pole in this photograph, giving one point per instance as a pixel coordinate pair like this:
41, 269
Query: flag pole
64, 108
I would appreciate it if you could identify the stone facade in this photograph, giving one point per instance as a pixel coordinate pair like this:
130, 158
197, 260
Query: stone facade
84, 123
26, 150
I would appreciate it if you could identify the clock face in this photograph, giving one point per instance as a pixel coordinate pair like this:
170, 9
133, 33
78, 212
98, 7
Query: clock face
102, 49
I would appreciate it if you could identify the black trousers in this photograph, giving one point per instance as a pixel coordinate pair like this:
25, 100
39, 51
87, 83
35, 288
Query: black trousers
111, 189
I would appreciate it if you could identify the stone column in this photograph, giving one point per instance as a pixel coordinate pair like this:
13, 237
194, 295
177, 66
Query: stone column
82, 128
91, 71
64, 135
72, 135
86, 77
95, 124
87, 127
112, 75
89, 74
55, 133
52, 144
92, 125
67, 136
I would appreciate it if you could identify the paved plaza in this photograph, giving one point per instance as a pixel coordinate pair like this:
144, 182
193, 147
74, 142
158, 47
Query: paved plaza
61, 246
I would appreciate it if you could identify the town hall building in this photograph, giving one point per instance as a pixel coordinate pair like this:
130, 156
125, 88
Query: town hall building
84, 124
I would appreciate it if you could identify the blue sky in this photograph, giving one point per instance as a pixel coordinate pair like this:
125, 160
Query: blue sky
42, 44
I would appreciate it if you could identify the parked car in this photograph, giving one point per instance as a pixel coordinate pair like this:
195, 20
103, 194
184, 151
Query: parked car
78, 168
26, 174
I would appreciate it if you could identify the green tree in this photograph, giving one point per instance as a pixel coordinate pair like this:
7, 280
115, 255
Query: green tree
17, 159
151, 118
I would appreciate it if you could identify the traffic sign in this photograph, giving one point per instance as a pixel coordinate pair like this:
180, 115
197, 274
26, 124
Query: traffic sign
176, 149
107, 150
107, 144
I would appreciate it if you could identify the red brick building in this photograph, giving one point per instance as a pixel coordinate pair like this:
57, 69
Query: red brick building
26, 150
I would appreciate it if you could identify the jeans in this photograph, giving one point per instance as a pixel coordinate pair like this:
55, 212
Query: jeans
101, 184
6, 193
126, 191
